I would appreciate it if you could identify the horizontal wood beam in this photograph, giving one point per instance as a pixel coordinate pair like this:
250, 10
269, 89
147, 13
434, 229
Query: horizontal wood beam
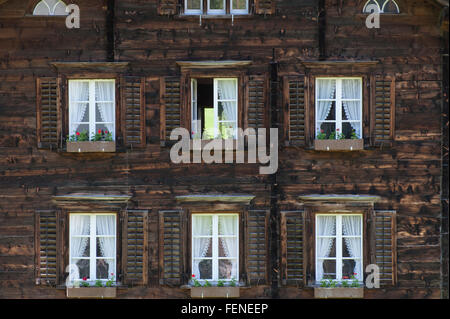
212, 64
224, 198
338, 198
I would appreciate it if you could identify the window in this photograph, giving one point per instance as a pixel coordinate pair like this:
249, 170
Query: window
216, 7
93, 245
339, 247
384, 6
339, 108
215, 247
50, 8
214, 105
92, 107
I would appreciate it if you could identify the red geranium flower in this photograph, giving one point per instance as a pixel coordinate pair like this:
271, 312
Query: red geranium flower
193, 276
106, 132
345, 277
78, 133
84, 278
99, 131
337, 129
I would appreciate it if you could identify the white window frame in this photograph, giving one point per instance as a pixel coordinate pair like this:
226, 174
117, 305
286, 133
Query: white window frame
92, 114
238, 11
215, 246
338, 104
93, 246
216, 11
188, 11
339, 247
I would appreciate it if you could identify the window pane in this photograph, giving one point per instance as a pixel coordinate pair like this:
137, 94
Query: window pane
326, 89
351, 247
226, 89
351, 225
104, 112
326, 247
227, 130
83, 267
228, 225
329, 269
327, 128
80, 247
202, 225
216, 4
227, 111
79, 91
326, 225
348, 268
104, 91
202, 247
106, 247
204, 269
193, 4
228, 247
104, 268
351, 89
348, 128
80, 224
106, 225
226, 268
240, 4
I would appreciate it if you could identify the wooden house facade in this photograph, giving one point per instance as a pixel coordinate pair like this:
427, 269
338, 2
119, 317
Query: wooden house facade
362, 119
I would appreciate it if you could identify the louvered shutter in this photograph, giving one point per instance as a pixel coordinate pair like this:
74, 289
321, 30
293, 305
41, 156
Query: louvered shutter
384, 249
383, 112
170, 107
133, 111
256, 254
135, 248
47, 257
171, 247
48, 108
167, 7
257, 102
292, 248
295, 110
265, 6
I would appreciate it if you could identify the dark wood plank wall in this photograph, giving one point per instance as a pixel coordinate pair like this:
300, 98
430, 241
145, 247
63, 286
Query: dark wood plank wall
407, 176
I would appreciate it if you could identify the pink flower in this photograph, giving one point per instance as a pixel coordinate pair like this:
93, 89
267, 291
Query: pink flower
337, 129
106, 132
112, 274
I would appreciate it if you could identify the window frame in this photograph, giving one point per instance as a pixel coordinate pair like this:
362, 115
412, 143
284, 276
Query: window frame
338, 105
210, 11
239, 11
92, 105
188, 11
339, 242
93, 245
206, 11
215, 245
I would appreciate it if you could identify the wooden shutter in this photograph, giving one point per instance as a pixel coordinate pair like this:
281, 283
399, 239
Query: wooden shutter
167, 7
256, 254
48, 112
170, 107
135, 247
257, 106
171, 247
384, 247
133, 111
47, 247
265, 6
292, 248
295, 110
383, 110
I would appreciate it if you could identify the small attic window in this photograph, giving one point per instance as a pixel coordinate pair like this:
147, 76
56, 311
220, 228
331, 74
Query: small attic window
50, 8
384, 6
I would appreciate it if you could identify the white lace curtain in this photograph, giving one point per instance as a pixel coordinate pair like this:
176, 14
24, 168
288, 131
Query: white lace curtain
326, 90
227, 91
202, 227
326, 227
351, 226
351, 89
78, 91
79, 225
228, 227
106, 226
104, 93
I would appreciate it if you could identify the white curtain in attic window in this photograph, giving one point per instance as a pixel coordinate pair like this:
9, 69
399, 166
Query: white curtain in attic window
50, 8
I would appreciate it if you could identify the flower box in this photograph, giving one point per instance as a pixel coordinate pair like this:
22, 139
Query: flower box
339, 293
91, 292
215, 292
339, 145
91, 147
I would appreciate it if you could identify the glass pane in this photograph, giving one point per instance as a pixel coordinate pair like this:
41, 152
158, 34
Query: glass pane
106, 246
202, 225
216, 4
329, 269
106, 225
80, 247
78, 91
208, 132
228, 247
225, 268
104, 129
351, 89
83, 267
227, 111
326, 225
351, 247
326, 89
104, 112
326, 247
240, 4
327, 129
202, 247
351, 110
194, 4
104, 91
228, 225
351, 225
227, 130
348, 268
82, 128
80, 224
205, 269
226, 89
104, 268
329, 110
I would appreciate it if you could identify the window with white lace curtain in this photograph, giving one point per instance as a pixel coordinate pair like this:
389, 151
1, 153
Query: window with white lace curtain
92, 107
339, 108
339, 246
215, 247
50, 8
92, 246
216, 7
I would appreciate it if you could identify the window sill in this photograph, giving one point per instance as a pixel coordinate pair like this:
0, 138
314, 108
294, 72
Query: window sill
215, 292
91, 292
213, 16
339, 293
91, 147
339, 145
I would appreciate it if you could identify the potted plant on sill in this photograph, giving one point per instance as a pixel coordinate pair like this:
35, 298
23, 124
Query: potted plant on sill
79, 142
97, 291
329, 289
337, 141
210, 291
